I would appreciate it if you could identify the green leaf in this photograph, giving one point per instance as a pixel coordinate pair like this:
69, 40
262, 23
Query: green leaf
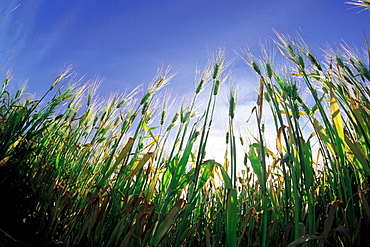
256, 165
231, 218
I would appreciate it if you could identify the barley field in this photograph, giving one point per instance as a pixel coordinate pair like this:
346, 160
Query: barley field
81, 170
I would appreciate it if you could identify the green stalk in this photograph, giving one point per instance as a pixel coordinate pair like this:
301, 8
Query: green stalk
263, 184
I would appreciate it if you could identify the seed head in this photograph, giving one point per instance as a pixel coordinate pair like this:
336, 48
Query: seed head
200, 86
241, 140
269, 70
120, 104
146, 97
301, 61
314, 61
232, 102
216, 87
216, 70
163, 116
291, 50
256, 68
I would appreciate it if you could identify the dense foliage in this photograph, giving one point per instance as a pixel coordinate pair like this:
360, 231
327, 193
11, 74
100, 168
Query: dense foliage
78, 170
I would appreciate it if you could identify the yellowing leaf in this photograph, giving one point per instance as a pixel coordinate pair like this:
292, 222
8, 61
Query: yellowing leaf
336, 116
167, 222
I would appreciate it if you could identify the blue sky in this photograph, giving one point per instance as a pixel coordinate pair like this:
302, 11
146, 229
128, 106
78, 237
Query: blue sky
124, 41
